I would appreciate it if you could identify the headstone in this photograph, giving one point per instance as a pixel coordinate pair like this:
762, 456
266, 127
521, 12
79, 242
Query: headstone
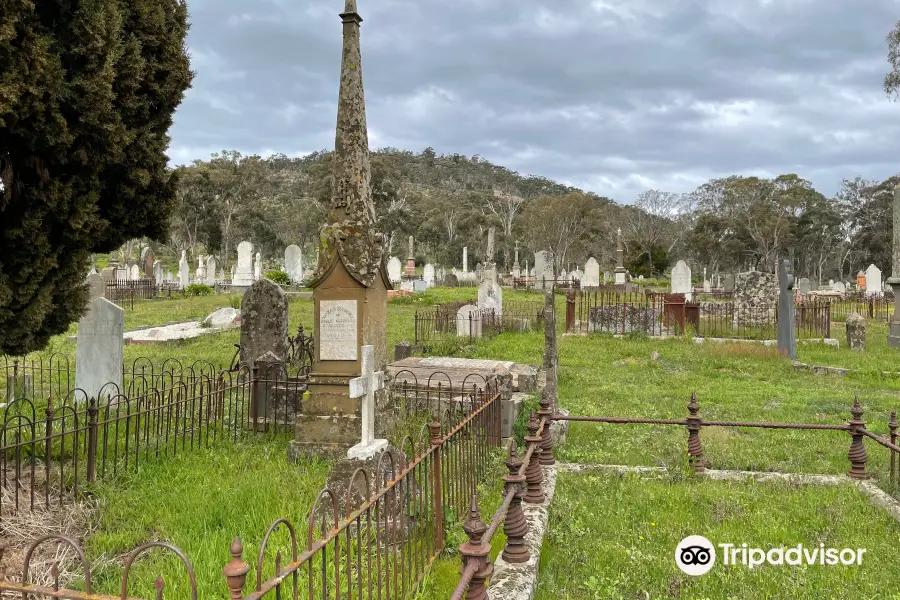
364, 388
465, 259
803, 285
838, 286
147, 262
873, 281
729, 282
135, 273
242, 273
257, 267
169, 277
607, 276
264, 322
450, 280
419, 285
787, 332
98, 353
681, 280
402, 350
350, 285
490, 295
543, 269
108, 274
856, 332
428, 274
157, 272
293, 263
210, 270
578, 275
707, 286
184, 276
200, 273
468, 322
96, 286
394, 269
591, 273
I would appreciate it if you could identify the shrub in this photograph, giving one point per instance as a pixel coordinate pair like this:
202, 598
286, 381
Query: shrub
279, 277
198, 289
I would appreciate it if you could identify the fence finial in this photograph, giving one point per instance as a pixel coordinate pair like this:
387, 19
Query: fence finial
236, 570
515, 525
857, 452
477, 551
694, 423
546, 436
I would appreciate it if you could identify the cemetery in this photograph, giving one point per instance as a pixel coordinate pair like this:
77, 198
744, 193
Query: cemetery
383, 421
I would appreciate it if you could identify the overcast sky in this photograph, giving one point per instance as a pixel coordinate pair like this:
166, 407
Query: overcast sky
612, 96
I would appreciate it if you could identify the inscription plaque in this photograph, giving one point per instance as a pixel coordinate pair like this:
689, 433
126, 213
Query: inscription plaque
338, 338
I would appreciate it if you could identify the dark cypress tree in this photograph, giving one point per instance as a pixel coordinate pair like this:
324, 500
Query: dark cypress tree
88, 90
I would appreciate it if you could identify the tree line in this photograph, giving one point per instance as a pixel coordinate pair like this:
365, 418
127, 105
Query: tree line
447, 202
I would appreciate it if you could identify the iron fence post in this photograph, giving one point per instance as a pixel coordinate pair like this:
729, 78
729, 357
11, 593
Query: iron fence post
437, 492
476, 551
92, 440
545, 413
892, 425
694, 424
515, 526
857, 452
236, 571
254, 396
534, 477
570, 311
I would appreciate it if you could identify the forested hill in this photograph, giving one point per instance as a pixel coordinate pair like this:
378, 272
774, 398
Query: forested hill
449, 201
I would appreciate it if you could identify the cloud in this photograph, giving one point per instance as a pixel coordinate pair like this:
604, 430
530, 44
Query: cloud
611, 95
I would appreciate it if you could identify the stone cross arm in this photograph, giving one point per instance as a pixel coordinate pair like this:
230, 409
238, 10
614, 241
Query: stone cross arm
364, 387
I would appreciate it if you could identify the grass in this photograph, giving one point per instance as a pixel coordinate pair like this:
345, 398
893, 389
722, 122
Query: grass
615, 537
199, 501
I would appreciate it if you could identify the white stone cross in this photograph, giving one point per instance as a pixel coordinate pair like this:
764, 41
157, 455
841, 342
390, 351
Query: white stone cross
364, 387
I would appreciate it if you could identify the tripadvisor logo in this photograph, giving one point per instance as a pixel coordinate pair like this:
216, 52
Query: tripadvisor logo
696, 555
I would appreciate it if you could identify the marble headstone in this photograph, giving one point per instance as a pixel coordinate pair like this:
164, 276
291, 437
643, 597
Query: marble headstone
468, 322
293, 263
681, 279
210, 270
873, 281
98, 352
242, 273
394, 269
428, 274
803, 285
184, 276
591, 273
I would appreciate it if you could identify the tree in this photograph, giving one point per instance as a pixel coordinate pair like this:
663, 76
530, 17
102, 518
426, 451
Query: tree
88, 94
558, 224
892, 79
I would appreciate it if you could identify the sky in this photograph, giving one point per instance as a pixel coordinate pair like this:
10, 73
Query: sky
611, 96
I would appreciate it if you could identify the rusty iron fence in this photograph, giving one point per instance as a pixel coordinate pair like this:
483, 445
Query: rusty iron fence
376, 539
444, 323
612, 310
872, 307
50, 448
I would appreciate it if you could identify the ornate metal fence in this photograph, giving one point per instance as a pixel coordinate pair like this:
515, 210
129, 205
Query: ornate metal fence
376, 539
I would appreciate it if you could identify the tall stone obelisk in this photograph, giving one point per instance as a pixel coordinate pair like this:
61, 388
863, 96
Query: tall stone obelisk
350, 282
894, 279
621, 272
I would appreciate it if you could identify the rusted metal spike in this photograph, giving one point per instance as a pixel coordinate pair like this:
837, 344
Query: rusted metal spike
54, 573
160, 585
278, 563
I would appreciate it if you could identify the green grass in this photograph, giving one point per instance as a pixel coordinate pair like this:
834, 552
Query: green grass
199, 501
614, 538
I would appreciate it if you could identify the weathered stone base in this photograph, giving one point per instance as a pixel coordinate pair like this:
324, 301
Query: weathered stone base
298, 451
894, 334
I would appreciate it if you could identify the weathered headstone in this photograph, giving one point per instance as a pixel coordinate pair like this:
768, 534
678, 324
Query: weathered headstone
490, 295
450, 280
134, 273
419, 285
264, 322
394, 269
257, 267
184, 276
108, 274
147, 262
158, 272
729, 282
838, 286
468, 322
803, 285
98, 352
428, 274
543, 269
402, 350
591, 273
200, 273
856, 332
621, 272
787, 333
96, 286
873, 281
242, 273
465, 259
210, 270
681, 280
293, 263
350, 285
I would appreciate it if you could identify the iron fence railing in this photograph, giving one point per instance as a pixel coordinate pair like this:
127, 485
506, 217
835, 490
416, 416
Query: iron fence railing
376, 540
445, 323
611, 310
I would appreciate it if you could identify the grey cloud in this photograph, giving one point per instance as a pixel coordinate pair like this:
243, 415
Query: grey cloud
610, 95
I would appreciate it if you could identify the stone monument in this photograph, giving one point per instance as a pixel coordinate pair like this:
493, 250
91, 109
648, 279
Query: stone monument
787, 332
98, 352
465, 259
364, 387
411, 260
257, 267
394, 269
873, 281
516, 269
894, 279
293, 263
242, 273
591, 273
350, 284
184, 276
264, 323
210, 270
681, 280
621, 272
428, 274
543, 270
